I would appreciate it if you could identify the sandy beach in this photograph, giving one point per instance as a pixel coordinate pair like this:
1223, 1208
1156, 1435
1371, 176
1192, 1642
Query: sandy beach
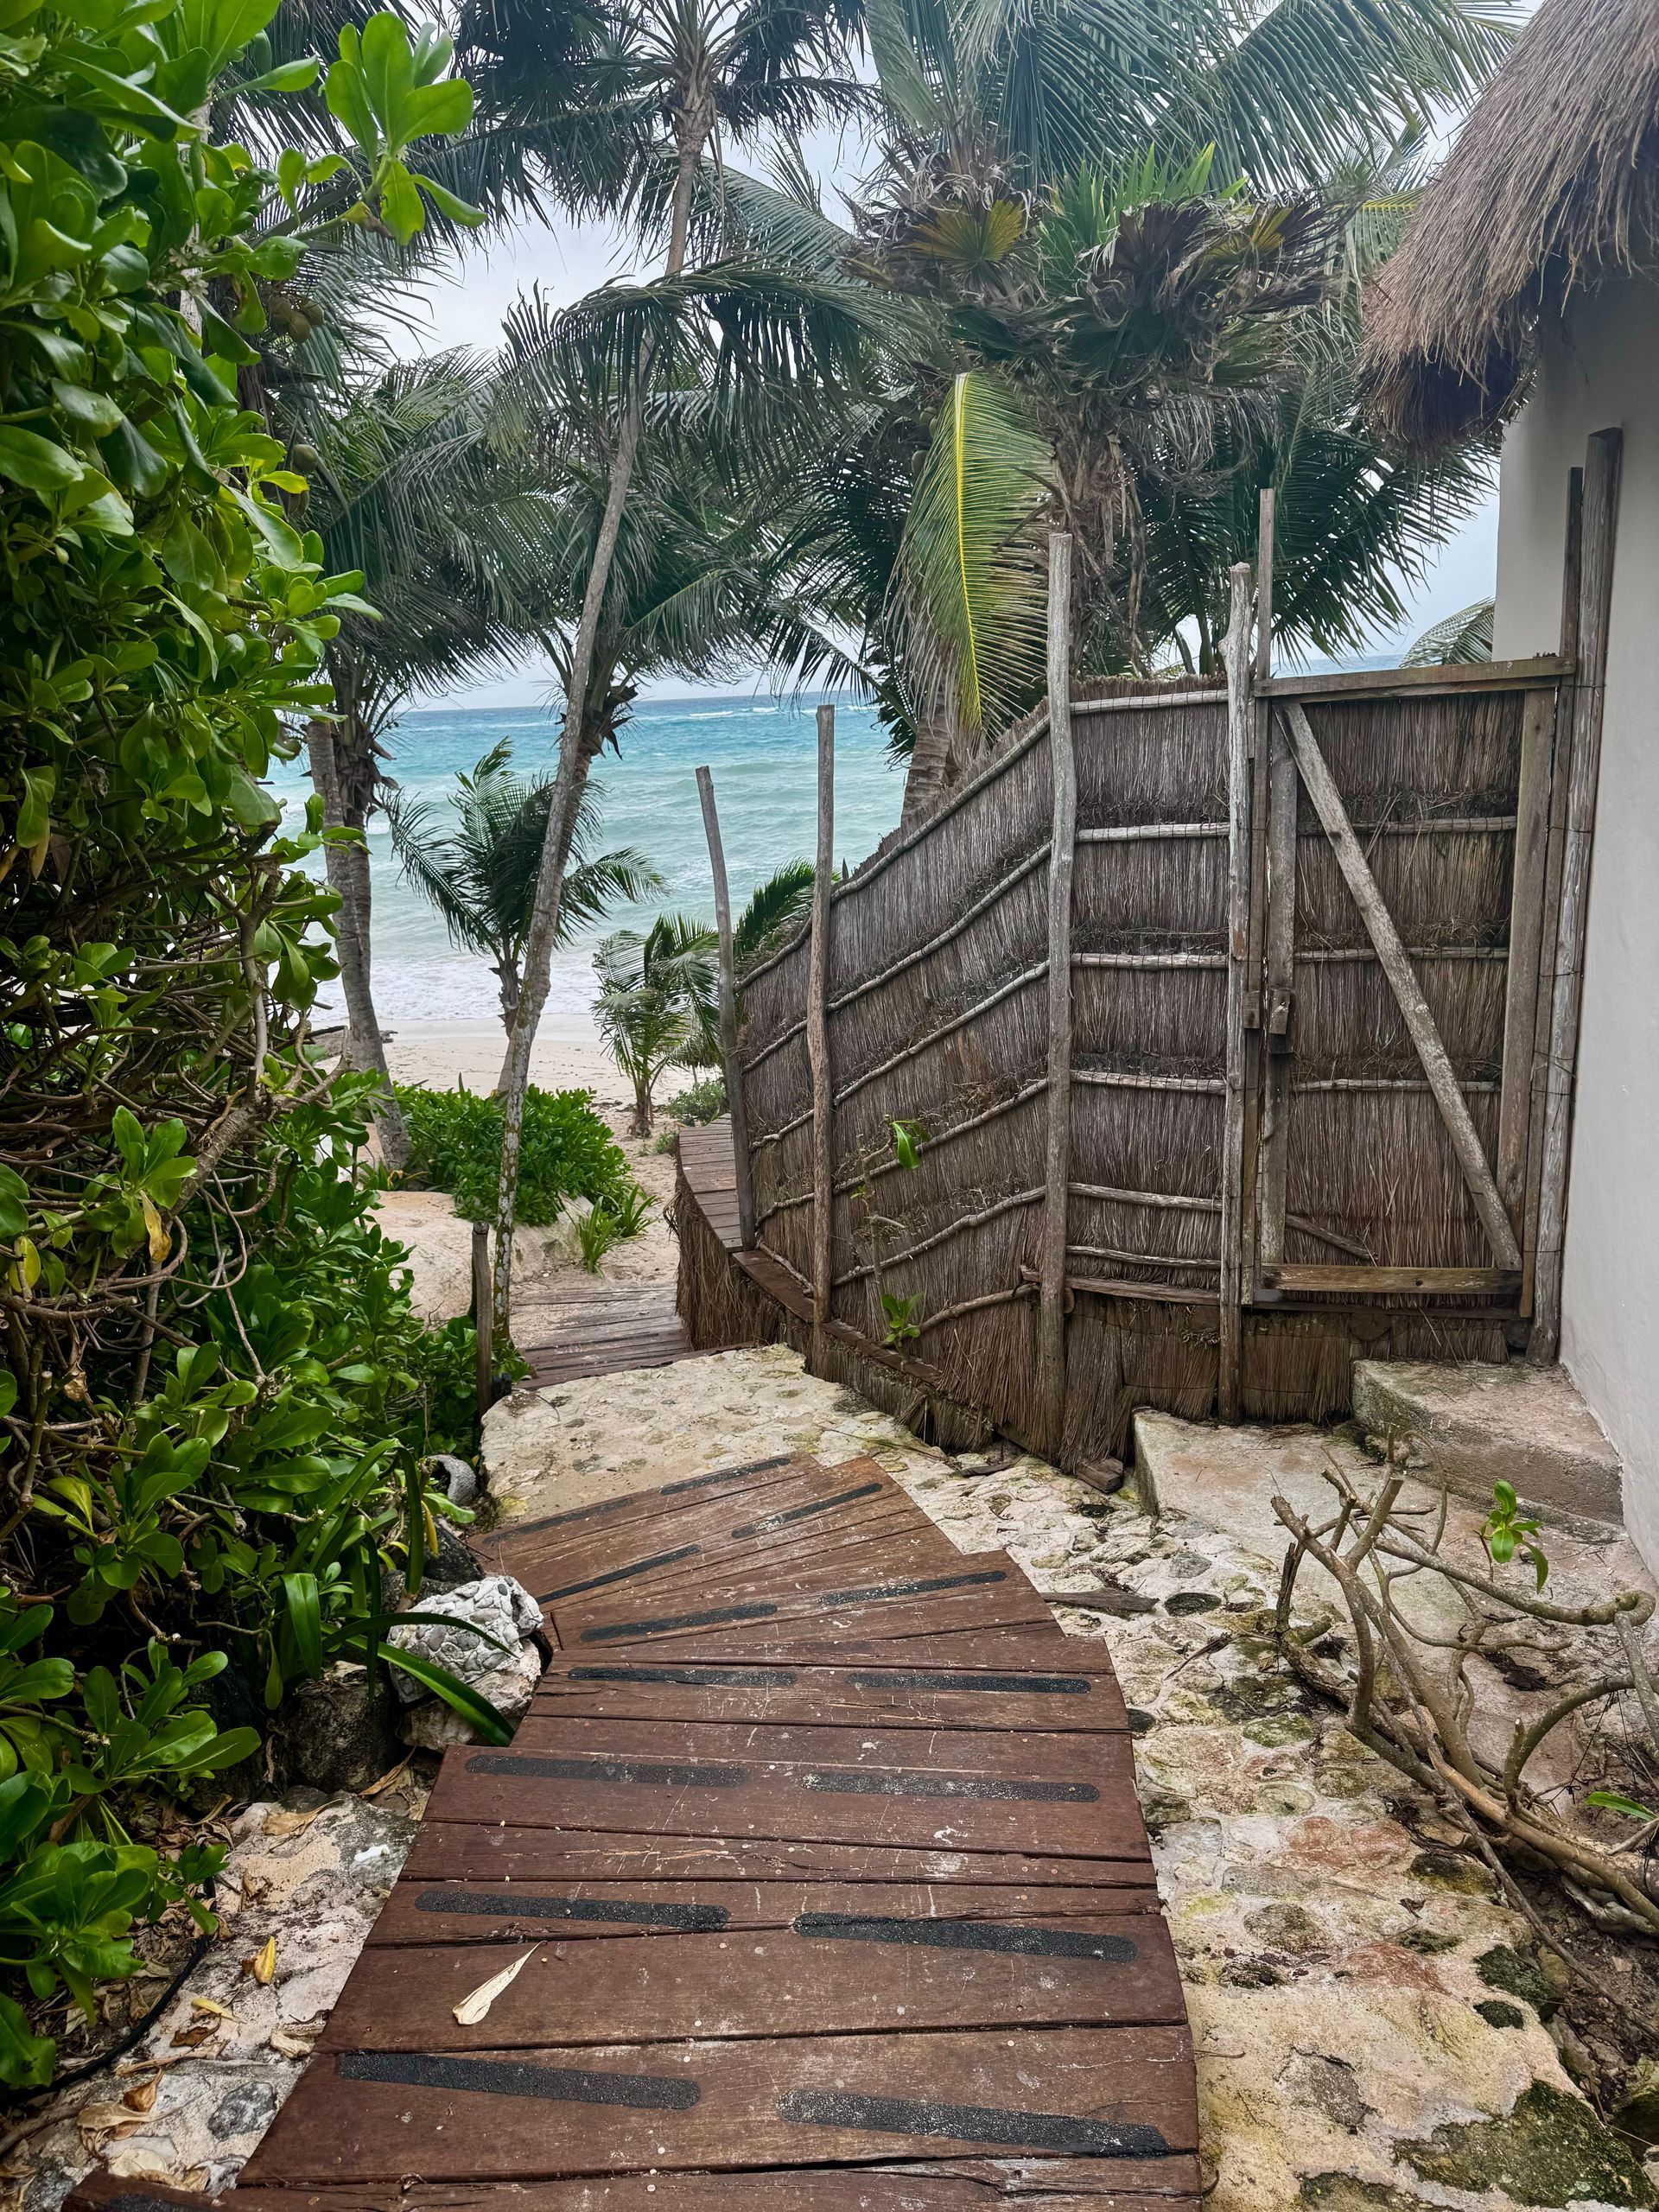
568, 1055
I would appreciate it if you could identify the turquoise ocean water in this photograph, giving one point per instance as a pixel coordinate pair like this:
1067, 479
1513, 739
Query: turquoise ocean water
762, 751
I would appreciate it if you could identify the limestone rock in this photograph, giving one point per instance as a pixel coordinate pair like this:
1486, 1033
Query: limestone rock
340, 1731
508, 1615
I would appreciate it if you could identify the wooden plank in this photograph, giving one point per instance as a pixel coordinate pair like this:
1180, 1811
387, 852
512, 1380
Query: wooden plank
476, 1851
630, 1508
1085, 1813
1038, 1649
1603, 468
974, 1595
1458, 677
1381, 1283
1278, 1007
1124, 2094
1236, 656
728, 1011
964, 2185
1059, 1699
498, 1911
891, 1559
853, 1970
1267, 517
1056, 1143
1102, 1759
1571, 567
818, 985
1525, 948
1407, 991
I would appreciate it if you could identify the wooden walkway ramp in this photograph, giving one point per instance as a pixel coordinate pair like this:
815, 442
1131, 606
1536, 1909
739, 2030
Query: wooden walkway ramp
820, 1853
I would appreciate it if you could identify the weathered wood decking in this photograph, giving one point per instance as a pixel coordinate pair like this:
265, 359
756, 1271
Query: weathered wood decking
820, 1846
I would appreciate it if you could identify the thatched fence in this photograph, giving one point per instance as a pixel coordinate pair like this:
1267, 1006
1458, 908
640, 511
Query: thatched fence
1254, 1090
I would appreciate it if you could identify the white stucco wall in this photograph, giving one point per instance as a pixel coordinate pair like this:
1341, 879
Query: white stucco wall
1602, 370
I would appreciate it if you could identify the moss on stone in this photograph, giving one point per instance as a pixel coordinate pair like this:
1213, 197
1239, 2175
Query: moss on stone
1428, 1943
1551, 2150
1449, 1870
1516, 1975
1498, 2013
1278, 1729
1342, 2193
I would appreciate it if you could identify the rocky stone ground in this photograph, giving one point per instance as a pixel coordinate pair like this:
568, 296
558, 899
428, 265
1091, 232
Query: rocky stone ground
189, 2104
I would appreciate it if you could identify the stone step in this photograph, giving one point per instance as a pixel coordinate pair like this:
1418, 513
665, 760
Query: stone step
1525, 1425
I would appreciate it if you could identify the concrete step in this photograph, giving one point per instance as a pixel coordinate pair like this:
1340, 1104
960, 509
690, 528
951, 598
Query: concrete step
1525, 1425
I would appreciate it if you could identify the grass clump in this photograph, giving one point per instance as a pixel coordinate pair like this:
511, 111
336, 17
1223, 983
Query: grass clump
703, 1101
568, 1153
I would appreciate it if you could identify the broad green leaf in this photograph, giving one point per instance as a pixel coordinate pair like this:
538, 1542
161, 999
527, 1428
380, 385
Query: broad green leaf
35, 463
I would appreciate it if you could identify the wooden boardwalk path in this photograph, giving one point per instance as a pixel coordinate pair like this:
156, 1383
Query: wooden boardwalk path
819, 1853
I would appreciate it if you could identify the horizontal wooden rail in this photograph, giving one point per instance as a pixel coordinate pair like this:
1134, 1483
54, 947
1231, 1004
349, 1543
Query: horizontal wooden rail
1322, 956
1458, 677
1442, 1283
1113, 1080
1012, 1204
1380, 1083
1140, 832
1149, 961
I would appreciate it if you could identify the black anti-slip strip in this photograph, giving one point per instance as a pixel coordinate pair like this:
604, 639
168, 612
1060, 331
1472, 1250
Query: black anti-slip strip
691, 1678
511, 1905
895, 1781
619, 1574
498, 2077
725, 1474
969, 1935
804, 1512
1034, 2131
616, 1632
996, 1685
643, 1770
876, 1590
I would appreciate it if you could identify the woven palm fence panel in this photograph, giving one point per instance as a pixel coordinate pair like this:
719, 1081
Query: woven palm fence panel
1309, 945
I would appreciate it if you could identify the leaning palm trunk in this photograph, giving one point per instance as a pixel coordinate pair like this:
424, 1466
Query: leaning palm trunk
577, 747
348, 881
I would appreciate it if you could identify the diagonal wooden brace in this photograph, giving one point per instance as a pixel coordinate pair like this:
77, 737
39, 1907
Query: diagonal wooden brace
1402, 980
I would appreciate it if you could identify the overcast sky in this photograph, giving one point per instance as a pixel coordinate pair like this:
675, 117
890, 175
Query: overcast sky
465, 307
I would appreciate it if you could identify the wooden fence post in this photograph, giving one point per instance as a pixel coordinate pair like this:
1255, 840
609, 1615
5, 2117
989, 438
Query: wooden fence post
1267, 513
1602, 461
817, 1025
483, 1318
1237, 656
1057, 1166
729, 1015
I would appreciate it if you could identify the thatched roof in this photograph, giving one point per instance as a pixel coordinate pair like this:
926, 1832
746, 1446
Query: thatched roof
1553, 181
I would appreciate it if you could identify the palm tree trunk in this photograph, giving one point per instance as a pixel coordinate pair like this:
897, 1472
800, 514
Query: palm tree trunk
364, 1047
576, 756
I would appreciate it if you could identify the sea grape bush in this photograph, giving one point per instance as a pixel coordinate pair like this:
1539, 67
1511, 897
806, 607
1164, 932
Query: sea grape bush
568, 1152
211, 1382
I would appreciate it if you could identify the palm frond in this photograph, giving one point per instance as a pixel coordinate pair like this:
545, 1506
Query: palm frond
968, 572
1465, 636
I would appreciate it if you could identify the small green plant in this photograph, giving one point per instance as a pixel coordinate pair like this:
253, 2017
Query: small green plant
455, 1146
611, 1223
699, 1103
1614, 1800
1507, 1530
908, 1138
900, 1317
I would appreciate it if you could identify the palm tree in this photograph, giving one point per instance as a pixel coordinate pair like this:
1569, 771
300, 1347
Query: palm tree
651, 989
420, 482
672, 78
479, 871
1127, 344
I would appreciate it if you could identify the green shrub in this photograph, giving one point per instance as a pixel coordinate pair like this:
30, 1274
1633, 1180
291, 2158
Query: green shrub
568, 1152
702, 1102
209, 1385
611, 1223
